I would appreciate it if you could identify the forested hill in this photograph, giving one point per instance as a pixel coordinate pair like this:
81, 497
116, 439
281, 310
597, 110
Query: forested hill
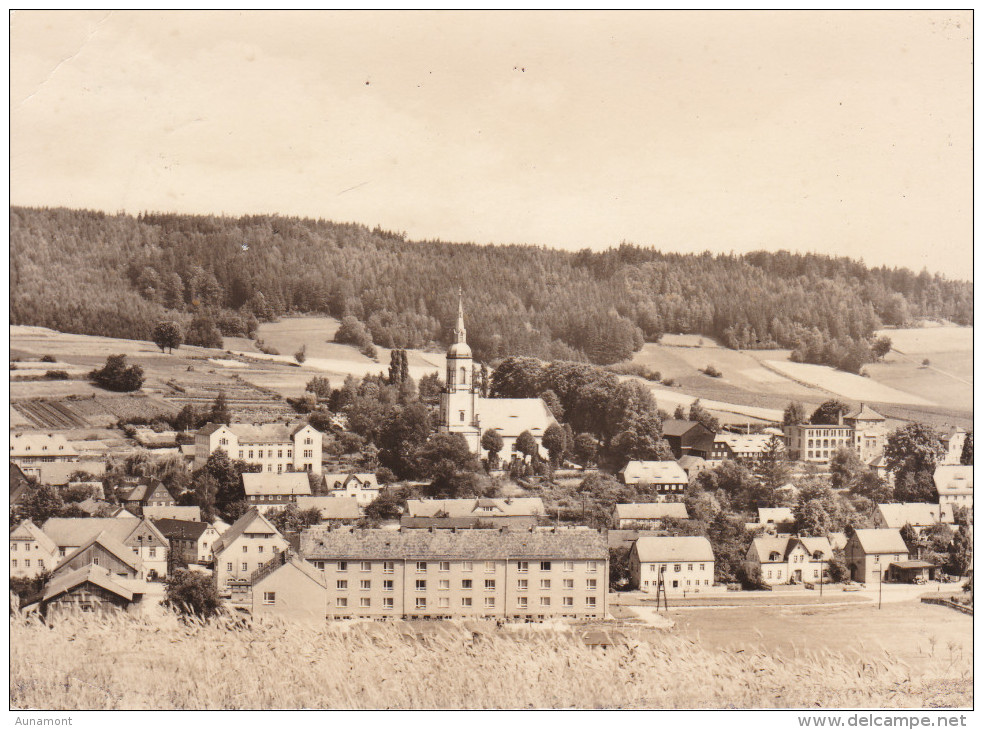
117, 275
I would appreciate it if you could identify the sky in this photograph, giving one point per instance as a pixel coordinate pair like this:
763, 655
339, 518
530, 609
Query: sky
847, 133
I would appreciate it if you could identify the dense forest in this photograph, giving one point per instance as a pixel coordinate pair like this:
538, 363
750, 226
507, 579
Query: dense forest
118, 275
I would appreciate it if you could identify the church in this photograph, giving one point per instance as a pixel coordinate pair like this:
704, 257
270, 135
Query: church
464, 411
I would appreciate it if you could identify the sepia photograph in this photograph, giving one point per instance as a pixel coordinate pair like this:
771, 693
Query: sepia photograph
491, 360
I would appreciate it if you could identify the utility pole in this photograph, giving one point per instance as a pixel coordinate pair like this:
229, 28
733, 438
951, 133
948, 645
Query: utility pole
822, 570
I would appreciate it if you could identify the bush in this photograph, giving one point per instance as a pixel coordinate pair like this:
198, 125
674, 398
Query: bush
56, 375
192, 594
48, 358
116, 376
711, 371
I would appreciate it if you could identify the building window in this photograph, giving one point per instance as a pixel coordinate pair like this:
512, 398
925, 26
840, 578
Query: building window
444, 602
342, 566
490, 602
245, 548
702, 566
467, 566
591, 601
365, 566
421, 585
387, 585
387, 603
13, 563
462, 416
466, 601
489, 566
490, 584
568, 583
523, 584
341, 602
544, 600
365, 585
689, 566
421, 566
466, 584
153, 552
523, 602
258, 549
522, 566
228, 566
388, 567
444, 566
421, 604
568, 601
592, 584
544, 584
364, 601
591, 566
677, 567
545, 565
568, 566
269, 598
445, 585
342, 585
319, 564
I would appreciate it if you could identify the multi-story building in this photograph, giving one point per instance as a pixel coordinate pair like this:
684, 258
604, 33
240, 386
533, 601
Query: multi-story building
678, 564
139, 535
687, 438
742, 447
250, 543
265, 490
920, 515
953, 440
363, 487
460, 574
191, 542
107, 552
151, 494
31, 551
954, 485
50, 457
288, 586
817, 443
667, 479
870, 553
790, 559
869, 433
276, 447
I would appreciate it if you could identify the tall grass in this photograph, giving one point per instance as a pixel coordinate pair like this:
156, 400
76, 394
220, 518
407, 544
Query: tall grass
122, 662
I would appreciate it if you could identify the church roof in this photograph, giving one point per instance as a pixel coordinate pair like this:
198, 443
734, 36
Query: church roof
512, 416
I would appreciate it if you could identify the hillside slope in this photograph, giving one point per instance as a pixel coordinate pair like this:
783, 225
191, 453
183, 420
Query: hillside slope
116, 275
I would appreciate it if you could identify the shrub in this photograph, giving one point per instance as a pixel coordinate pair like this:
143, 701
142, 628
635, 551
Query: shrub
56, 375
48, 358
711, 371
116, 376
192, 593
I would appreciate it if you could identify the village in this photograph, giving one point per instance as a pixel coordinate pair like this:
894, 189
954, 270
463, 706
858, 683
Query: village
504, 514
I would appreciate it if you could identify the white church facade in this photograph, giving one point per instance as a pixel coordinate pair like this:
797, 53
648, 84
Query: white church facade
464, 411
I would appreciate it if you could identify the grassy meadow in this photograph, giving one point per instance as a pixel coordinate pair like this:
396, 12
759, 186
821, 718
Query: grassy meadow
97, 662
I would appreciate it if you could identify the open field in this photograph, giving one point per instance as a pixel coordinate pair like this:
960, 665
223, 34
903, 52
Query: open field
88, 662
846, 385
912, 633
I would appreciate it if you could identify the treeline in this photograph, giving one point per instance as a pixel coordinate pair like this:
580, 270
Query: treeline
118, 275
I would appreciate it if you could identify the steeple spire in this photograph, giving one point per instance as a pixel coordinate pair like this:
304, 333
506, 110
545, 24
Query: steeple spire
459, 331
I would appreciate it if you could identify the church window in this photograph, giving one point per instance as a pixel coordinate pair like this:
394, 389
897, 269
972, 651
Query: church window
464, 376
462, 416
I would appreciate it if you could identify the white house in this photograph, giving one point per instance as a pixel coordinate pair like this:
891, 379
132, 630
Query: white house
50, 457
954, 484
31, 551
790, 559
244, 547
277, 447
139, 535
953, 441
680, 564
363, 487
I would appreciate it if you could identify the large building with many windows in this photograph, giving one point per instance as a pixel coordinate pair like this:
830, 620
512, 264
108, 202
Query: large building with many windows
460, 574
817, 443
276, 447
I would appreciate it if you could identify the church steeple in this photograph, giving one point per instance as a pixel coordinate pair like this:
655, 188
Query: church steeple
460, 333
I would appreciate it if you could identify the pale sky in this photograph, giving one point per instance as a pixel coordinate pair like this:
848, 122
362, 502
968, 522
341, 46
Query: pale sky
848, 133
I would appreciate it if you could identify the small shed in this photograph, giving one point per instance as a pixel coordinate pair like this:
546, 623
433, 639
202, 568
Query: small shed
912, 571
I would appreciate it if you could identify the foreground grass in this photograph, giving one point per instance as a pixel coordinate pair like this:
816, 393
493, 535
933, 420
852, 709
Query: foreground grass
120, 662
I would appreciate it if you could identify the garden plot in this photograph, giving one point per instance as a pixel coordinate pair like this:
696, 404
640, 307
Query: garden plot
846, 385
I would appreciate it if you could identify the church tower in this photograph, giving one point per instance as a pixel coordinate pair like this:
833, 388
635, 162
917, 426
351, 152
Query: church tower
457, 402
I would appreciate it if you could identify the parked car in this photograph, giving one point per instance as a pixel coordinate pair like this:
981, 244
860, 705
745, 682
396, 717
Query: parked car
851, 586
